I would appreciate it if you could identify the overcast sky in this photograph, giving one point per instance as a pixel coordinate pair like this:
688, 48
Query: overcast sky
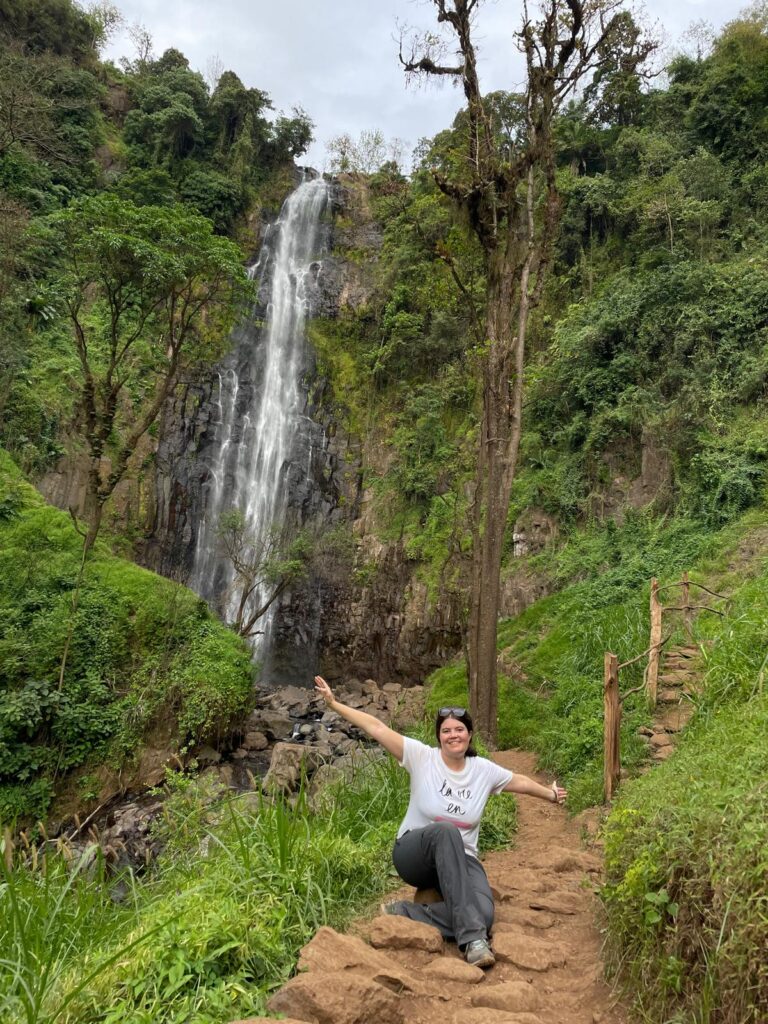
338, 59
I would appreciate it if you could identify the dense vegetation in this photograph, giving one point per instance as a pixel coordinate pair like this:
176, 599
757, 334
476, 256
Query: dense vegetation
117, 187
649, 349
146, 655
652, 331
151, 134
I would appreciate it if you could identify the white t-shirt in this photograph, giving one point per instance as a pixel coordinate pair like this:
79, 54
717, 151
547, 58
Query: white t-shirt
439, 794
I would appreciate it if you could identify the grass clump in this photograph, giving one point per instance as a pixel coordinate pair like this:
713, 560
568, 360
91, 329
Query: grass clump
686, 865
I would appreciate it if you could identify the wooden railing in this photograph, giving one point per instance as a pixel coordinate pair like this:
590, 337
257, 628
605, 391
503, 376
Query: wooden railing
613, 698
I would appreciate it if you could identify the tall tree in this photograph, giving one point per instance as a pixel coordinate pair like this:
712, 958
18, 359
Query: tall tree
507, 192
147, 291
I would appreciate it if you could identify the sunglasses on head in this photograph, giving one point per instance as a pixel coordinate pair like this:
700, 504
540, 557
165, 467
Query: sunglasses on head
451, 712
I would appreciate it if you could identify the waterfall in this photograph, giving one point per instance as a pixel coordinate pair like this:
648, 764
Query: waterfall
258, 405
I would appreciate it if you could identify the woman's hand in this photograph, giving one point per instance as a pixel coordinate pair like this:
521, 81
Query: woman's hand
560, 794
323, 689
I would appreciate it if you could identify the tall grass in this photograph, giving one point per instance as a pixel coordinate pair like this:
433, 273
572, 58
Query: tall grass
52, 913
686, 899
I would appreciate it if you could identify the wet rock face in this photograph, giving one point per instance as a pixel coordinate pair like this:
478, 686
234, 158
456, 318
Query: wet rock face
376, 623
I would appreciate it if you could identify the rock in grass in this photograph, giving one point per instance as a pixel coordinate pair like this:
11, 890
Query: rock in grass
288, 762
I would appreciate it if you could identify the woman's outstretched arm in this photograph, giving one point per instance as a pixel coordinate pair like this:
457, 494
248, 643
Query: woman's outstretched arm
389, 739
528, 787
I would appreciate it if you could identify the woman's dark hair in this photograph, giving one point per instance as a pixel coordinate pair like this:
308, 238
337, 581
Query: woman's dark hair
461, 715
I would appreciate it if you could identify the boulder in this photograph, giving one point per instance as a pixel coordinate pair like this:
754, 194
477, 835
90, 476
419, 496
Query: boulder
390, 932
274, 724
206, 755
254, 740
293, 698
285, 768
337, 997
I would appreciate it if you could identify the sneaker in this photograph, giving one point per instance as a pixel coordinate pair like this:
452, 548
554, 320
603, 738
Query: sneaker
394, 908
479, 954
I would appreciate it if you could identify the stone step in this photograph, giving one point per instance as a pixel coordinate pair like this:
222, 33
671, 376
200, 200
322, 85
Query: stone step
674, 718
675, 665
663, 753
661, 739
669, 696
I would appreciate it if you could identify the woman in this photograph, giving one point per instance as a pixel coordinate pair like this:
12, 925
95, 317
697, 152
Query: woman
436, 845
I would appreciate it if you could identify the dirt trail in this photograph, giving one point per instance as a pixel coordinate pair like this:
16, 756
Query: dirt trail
394, 971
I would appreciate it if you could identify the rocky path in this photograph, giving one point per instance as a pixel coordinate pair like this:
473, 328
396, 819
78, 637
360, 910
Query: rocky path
680, 686
390, 970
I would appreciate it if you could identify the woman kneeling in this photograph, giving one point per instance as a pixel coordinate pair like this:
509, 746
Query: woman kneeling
436, 845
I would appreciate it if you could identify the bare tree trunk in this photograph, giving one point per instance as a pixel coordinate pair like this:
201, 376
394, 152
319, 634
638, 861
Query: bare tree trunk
95, 510
508, 310
567, 40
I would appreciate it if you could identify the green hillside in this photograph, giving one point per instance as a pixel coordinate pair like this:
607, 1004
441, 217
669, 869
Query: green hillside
146, 657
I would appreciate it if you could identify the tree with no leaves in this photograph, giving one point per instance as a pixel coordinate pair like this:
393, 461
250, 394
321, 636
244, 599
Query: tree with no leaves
508, 195
263, 565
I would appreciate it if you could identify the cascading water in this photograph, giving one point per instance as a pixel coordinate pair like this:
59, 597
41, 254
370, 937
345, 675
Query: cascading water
259, 406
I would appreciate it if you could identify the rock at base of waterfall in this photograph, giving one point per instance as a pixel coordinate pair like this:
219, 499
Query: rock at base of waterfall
255, 740
289, 761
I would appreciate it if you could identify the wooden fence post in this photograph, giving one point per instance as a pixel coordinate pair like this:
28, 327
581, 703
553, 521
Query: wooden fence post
686, 603
652, 672
612, 726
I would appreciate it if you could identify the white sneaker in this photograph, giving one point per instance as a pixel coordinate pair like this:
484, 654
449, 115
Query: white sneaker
479, 954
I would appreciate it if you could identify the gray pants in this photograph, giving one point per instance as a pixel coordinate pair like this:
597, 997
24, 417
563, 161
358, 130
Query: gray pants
434, 858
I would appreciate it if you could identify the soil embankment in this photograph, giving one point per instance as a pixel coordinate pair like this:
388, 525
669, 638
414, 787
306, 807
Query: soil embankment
547, 943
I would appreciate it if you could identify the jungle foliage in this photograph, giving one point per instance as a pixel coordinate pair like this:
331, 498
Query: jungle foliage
77, 133
651, 335
145, 653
